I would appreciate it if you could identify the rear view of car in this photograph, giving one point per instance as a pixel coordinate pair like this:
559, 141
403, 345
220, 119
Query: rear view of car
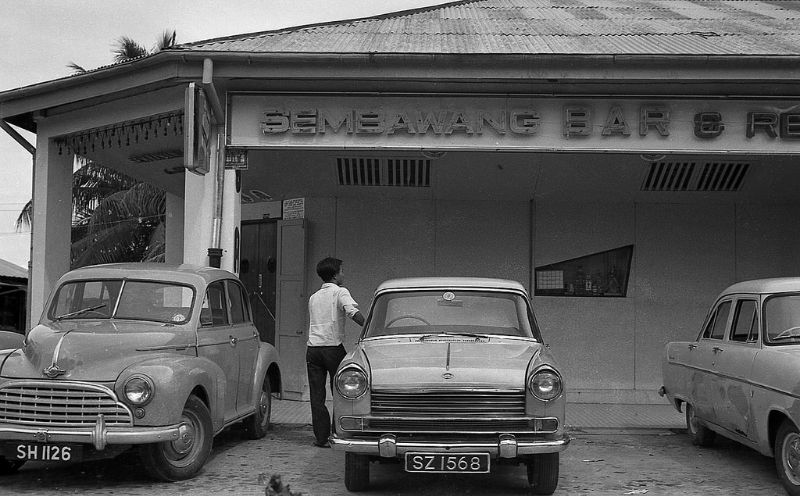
450, 375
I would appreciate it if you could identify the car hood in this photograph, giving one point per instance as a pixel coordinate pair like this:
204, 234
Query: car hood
435, 363
92, 350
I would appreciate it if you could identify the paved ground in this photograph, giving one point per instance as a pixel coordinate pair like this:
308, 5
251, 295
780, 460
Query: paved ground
655, 460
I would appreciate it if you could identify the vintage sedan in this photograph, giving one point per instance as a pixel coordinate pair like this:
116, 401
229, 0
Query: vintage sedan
741, 377
163, 357
450, 375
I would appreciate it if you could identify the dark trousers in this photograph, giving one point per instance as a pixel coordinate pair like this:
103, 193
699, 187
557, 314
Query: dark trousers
321, 361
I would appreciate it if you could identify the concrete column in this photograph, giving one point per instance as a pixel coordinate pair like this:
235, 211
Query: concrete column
52, 219
173, 249
231, 221
198, 201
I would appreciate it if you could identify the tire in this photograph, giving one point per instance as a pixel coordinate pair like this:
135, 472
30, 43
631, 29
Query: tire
700, 434
787, 457
356, 472
8, 467
543, 473
257, 425
181, 459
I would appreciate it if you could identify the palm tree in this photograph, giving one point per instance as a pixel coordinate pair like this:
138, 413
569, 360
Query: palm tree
126, 48
114, 217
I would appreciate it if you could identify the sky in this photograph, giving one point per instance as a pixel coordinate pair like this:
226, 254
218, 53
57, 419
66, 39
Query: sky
39, 38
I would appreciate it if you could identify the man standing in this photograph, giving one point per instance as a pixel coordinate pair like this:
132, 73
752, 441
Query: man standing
327, 309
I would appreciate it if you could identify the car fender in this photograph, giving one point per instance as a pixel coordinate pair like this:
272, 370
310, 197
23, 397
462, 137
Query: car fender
268, 362
175, 378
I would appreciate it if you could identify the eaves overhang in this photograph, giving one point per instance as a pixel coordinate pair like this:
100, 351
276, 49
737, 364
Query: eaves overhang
174, 66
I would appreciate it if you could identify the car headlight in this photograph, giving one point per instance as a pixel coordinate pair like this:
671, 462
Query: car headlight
139, 390
545, 384
351, 382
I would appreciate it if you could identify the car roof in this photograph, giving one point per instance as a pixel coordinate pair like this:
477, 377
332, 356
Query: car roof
450, 283
183, 273
763, 286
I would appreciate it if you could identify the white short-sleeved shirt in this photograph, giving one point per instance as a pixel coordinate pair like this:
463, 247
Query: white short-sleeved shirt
327, 309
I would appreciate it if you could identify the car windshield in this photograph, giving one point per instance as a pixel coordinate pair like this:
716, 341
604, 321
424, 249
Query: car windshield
457, 312
123, 299
782, 319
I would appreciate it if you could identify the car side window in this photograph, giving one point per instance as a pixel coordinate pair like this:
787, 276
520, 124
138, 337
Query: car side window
238, 314
720, 320
215, 307
745, 324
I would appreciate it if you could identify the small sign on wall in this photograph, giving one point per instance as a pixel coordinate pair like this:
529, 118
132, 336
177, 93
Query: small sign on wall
294, 208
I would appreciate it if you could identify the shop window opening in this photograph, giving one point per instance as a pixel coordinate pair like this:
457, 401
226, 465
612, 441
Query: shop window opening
602, 274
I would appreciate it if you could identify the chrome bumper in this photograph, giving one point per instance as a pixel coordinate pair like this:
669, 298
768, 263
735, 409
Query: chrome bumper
506, 446
98, 435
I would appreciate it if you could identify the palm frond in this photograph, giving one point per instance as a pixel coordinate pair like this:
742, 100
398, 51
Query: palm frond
127, 48
91, 183
76, 69
25, 217
117, 243
167, 40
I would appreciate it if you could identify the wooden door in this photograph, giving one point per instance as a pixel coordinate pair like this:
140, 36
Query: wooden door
292, 306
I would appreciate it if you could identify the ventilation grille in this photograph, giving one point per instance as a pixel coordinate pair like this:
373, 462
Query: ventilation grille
689, 176
404, 172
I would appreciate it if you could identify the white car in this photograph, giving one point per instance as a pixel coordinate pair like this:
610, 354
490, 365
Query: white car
740, 378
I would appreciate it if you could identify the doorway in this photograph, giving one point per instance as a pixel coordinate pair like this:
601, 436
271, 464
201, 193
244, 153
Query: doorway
257, 270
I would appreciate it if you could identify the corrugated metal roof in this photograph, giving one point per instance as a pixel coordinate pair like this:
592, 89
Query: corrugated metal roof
8, 269
585, 27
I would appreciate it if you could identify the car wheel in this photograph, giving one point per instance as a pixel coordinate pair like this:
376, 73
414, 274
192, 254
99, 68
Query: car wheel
787, 457
543, 473
8, 467
700, 434
256, 425
183, 458
356, 471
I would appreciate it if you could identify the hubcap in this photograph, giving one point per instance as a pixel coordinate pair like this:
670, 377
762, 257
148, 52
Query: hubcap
186, 437
791, 457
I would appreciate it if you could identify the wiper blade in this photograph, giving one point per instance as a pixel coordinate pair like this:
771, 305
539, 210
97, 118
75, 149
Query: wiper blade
78, 312
447, 334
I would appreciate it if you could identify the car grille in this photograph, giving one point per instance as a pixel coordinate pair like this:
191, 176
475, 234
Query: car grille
449, 411
61, 405
448, 425
449, 403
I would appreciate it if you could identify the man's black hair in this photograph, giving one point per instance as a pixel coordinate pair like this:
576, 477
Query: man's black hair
327, 268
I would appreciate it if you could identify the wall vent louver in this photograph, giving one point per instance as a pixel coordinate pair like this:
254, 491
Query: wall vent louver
689, 176
402, 172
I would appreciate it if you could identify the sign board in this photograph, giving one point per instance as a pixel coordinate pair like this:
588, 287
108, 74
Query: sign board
515, 124
196, 130
294, 208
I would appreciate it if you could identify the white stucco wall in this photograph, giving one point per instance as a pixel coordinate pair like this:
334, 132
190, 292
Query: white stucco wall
684, 255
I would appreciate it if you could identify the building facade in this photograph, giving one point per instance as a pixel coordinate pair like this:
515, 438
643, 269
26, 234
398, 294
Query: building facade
623, 162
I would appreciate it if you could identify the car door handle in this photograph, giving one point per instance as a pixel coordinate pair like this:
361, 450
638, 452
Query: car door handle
717, 349
234, 341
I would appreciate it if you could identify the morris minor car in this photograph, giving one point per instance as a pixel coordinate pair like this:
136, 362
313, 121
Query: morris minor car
740, 378
450, 375
163, 357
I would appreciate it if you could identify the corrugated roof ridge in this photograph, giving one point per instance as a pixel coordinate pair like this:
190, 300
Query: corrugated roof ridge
306, 27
